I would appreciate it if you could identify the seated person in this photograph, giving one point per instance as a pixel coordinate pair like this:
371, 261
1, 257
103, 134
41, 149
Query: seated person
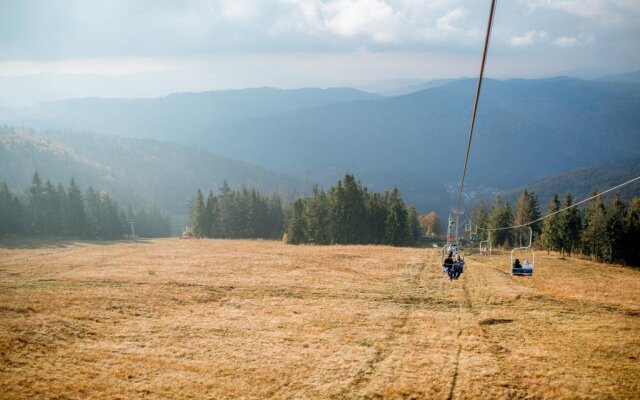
516, 264
448, 264
527, 265
458, 268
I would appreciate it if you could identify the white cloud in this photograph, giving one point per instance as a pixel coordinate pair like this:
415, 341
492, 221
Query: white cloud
604, 11
574, 41
452, 20
363, 17
528, 38
239, 10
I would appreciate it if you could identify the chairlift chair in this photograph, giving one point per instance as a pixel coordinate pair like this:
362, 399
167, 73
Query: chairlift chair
524, 271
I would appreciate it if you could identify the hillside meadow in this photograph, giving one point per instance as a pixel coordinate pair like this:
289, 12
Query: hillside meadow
260, 319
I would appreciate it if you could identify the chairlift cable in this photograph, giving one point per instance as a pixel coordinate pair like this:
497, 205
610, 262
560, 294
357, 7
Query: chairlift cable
477, 99
561, 210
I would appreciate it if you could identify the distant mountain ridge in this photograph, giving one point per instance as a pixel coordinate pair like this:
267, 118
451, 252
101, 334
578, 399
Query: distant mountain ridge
137, 170
526, 130
174, 115
631, 77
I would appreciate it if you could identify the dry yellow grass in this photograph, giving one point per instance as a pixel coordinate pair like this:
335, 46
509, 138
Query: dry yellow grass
260, 319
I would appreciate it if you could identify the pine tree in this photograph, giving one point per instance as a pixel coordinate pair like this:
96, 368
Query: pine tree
480, 218
63, 217
75, 211
296, 230
35, 206
92, 208
501, 216
11, 211
353, 209
595, 241
414, 231
570, 226
616, 230
199, 216
526, 212
631, 242
397, 224
212, 220
377, 210
336, 213
228, 222
551, 230
275, 216
317, 217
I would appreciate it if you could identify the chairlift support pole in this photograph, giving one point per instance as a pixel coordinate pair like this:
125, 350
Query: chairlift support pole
132, 222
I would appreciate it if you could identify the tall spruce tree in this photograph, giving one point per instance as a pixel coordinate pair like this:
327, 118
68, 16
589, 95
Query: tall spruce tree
595, 240
480, 218
377, 210
317, 217
92, 207
631, 242
500, 217
75, 211
11, 212
35, 205
570, 226
228, 223
275, 216
414, 231
526, 212
551, 230
616, 230
199, 216
296, 230
212, 216
397, 226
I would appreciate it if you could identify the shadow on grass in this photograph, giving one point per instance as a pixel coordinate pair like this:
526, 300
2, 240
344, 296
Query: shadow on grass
14, 242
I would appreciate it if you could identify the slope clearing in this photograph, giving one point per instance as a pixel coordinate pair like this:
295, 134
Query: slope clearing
259, 319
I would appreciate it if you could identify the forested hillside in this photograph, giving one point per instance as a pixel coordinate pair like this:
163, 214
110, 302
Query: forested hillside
527, 129
132, 170
583, 182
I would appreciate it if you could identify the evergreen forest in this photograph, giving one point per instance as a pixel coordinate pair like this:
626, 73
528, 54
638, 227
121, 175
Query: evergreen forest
349, 214
236, 214
603, 232
46, 209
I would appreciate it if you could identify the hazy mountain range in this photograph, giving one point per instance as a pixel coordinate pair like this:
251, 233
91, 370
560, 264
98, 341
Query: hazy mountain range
526, 130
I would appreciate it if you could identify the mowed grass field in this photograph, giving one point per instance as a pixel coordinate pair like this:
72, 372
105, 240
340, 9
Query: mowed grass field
259, 319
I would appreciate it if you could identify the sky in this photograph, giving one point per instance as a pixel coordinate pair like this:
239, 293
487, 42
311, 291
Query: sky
51, 49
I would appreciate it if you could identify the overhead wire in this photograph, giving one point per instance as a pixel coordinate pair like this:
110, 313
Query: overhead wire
471, 130
561, 210
477, 99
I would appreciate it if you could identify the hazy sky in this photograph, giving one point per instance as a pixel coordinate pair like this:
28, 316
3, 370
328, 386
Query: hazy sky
67, 48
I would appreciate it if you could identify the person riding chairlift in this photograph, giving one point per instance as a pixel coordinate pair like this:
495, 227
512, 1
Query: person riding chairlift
448, 264
516, 264
527, 265
458, 268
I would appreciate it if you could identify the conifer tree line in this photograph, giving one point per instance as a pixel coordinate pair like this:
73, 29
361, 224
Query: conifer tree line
604, 233
349, 214
53, 210
244, 213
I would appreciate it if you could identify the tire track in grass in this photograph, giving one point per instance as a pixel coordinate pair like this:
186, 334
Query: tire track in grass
366, 372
